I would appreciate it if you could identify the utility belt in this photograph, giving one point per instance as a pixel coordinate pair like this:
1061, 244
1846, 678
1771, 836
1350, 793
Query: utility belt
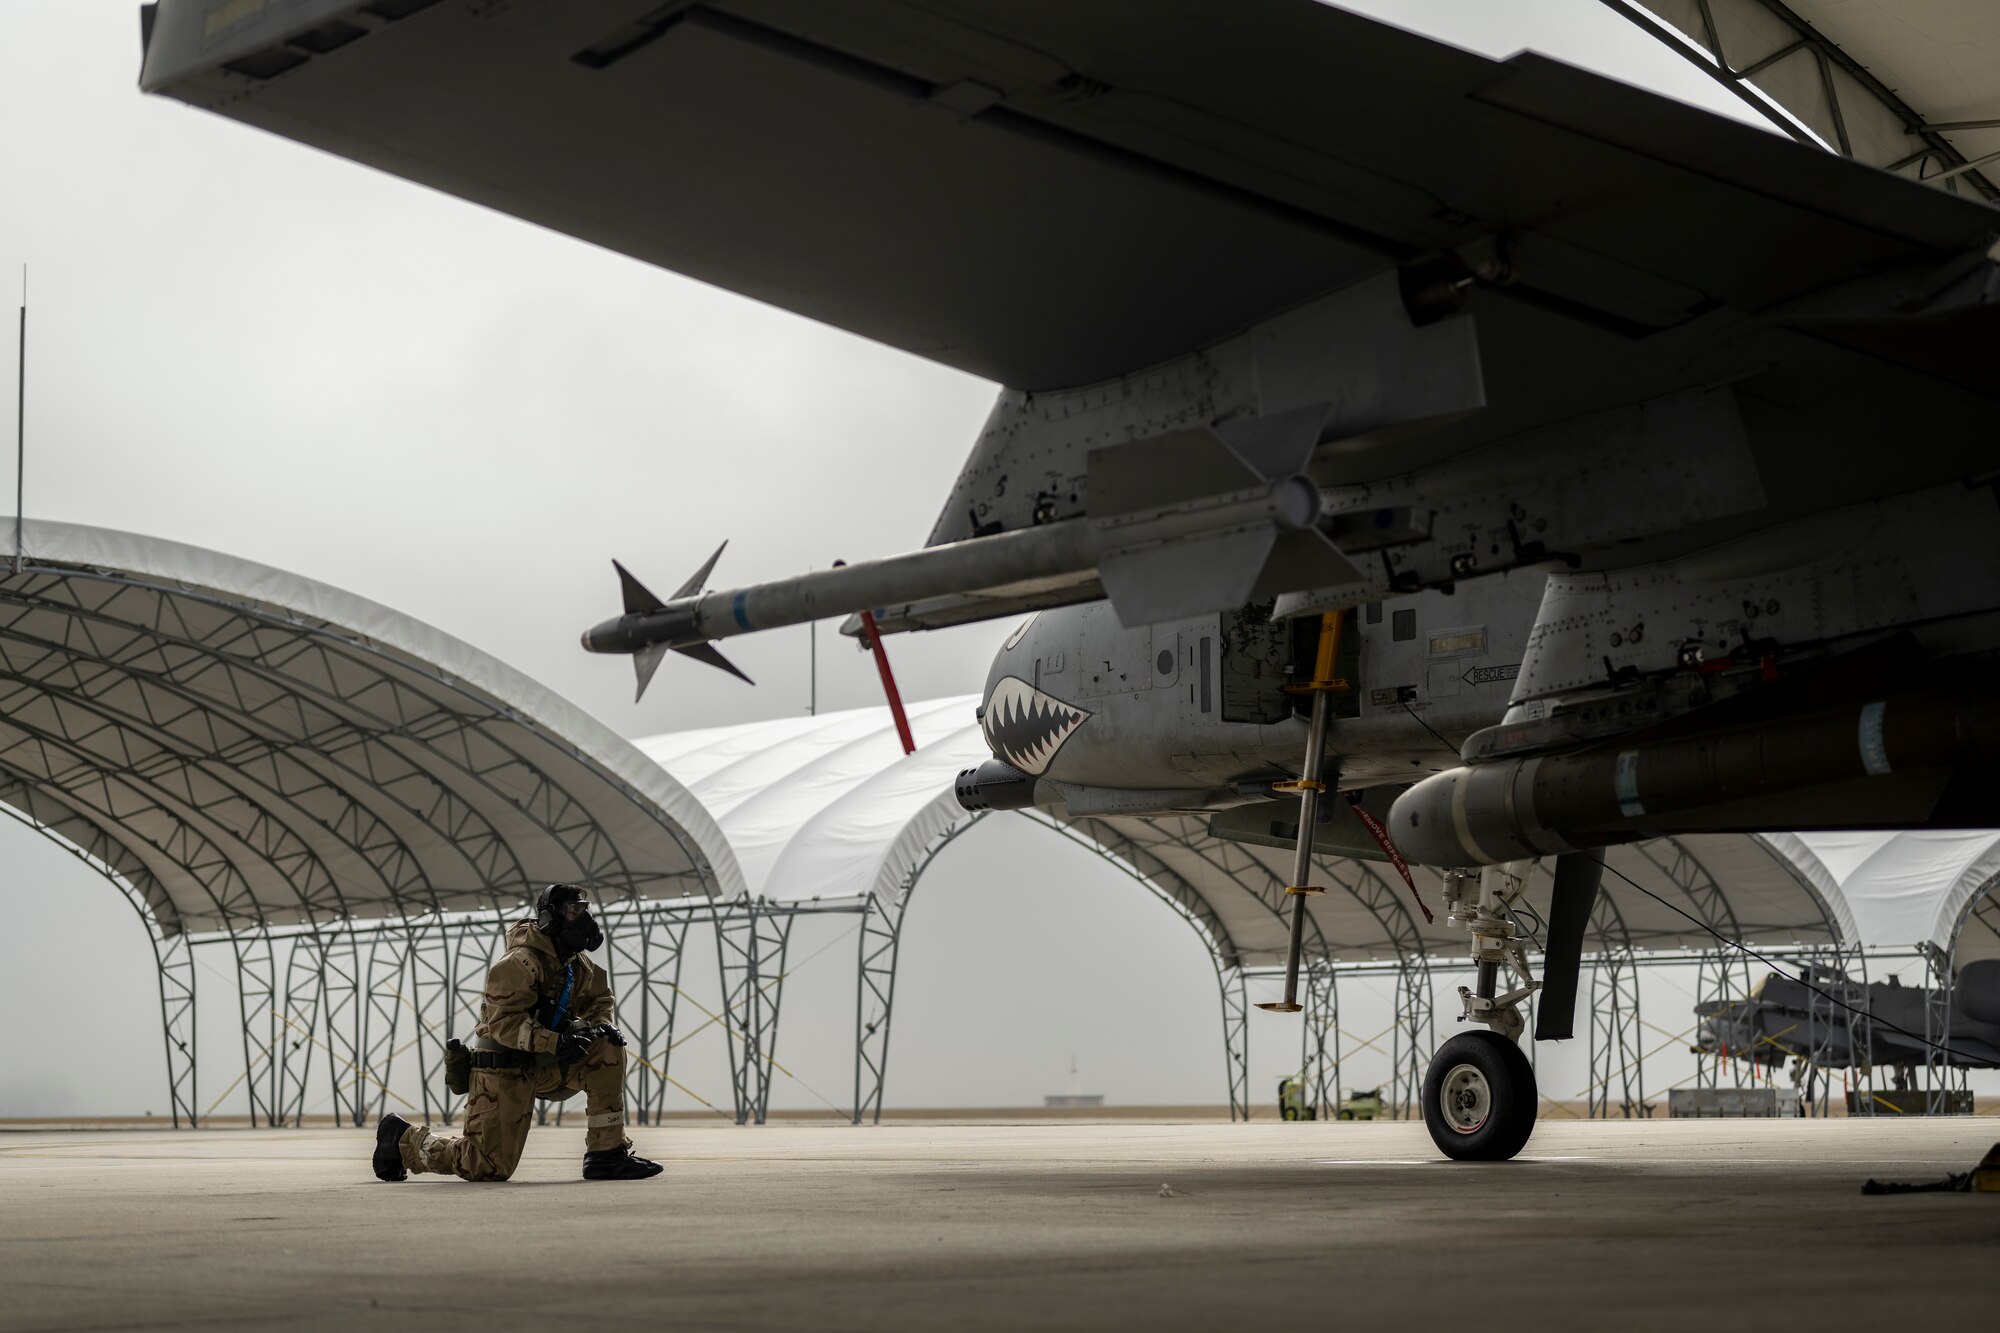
504, 1060
460, 1060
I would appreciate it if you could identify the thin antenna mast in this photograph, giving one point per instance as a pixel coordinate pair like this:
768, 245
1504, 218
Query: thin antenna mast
21, 422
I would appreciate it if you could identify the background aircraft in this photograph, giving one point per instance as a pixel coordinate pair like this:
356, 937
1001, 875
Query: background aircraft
1781, 1019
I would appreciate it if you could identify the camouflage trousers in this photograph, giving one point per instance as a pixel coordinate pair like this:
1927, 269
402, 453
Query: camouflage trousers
501, 1106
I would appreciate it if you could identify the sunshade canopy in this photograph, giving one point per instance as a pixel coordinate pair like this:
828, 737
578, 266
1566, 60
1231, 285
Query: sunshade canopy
1921, 887
244, 748
1912, 86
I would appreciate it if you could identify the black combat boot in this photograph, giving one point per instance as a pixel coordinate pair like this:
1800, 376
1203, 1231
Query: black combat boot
618, 1164
388, 1156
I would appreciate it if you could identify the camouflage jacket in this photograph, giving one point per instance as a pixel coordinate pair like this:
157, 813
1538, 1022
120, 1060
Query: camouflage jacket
523, 986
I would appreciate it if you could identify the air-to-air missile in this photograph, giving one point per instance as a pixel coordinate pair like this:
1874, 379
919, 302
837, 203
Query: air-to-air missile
1155, 549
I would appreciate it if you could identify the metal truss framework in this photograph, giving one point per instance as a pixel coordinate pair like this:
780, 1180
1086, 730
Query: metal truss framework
1319, 1039
753, 938
340, 988
248, 775
1941, 1078
1935, 158
1840, 972
1723, 973
1615, 1054
254, 735
877, 949
1134, 851
432, 970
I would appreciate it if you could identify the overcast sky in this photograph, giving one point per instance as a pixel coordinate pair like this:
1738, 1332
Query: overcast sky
243, 344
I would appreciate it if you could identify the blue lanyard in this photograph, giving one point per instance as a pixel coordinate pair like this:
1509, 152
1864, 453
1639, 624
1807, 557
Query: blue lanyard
562, 1001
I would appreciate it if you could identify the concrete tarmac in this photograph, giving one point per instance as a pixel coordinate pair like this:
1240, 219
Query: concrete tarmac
1648, 1225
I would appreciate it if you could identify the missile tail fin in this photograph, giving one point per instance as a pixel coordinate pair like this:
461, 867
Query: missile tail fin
637, 596
644, 663
706, 652
700, 576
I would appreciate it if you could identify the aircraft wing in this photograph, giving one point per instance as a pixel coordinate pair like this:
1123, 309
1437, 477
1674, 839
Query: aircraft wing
1048, 193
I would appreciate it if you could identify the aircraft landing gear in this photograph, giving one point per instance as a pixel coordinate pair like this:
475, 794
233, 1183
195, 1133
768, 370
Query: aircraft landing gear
1479, 1092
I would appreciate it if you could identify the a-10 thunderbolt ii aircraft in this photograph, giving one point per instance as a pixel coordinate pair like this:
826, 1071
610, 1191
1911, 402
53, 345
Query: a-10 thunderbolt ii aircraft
1297, 310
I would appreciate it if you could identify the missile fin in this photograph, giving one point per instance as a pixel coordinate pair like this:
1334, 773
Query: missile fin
1277, 445
637, 596
645, 662
706, 652
700, 576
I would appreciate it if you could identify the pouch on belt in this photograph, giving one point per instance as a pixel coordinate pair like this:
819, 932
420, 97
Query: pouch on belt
457, 1068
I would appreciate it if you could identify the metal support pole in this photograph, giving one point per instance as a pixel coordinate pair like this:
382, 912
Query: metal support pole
256, 981
380, 1015
874, 1003
1414, 1035
751, 940
344, 992
1616, 1054
173, 960
1614, 1037
1310, 788
1319, 1039
305, 983
1235, 1038
430, 1005
662, 949
1720, 978
1937, 1028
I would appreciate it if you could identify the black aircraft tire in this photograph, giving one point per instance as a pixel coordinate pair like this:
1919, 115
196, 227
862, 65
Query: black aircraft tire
1479, 1098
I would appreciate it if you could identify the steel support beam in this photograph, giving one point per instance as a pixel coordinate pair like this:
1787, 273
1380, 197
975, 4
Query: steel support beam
1615, 1054
1235, 1037
256, 1001
1415, 1032
662, 948
750, 941
173, 962
1319, 1039
874, 1003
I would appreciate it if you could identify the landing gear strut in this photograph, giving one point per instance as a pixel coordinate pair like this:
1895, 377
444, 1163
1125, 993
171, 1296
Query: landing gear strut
1479, 1093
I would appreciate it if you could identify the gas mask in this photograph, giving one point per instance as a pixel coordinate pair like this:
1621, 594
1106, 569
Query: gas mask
563, 914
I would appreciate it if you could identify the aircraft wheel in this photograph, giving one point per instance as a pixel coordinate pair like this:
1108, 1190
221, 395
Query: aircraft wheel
1290, 1113
1479, 1097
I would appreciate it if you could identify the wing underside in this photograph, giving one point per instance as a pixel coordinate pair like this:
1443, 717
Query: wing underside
1047, 193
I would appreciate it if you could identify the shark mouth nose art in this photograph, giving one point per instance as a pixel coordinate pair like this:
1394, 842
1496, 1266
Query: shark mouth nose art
1026, 727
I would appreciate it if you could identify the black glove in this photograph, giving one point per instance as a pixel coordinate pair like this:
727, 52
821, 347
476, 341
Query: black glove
573, 1042
611, 1034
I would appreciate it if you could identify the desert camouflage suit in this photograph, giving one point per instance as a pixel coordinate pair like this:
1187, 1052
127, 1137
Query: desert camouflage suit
520, 990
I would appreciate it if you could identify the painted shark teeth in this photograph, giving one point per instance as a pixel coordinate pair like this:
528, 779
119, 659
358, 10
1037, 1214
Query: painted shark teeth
1025, 727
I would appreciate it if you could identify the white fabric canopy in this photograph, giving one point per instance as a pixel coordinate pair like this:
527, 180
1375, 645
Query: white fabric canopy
1939, 58
241, 747
828, 807
1912, 888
